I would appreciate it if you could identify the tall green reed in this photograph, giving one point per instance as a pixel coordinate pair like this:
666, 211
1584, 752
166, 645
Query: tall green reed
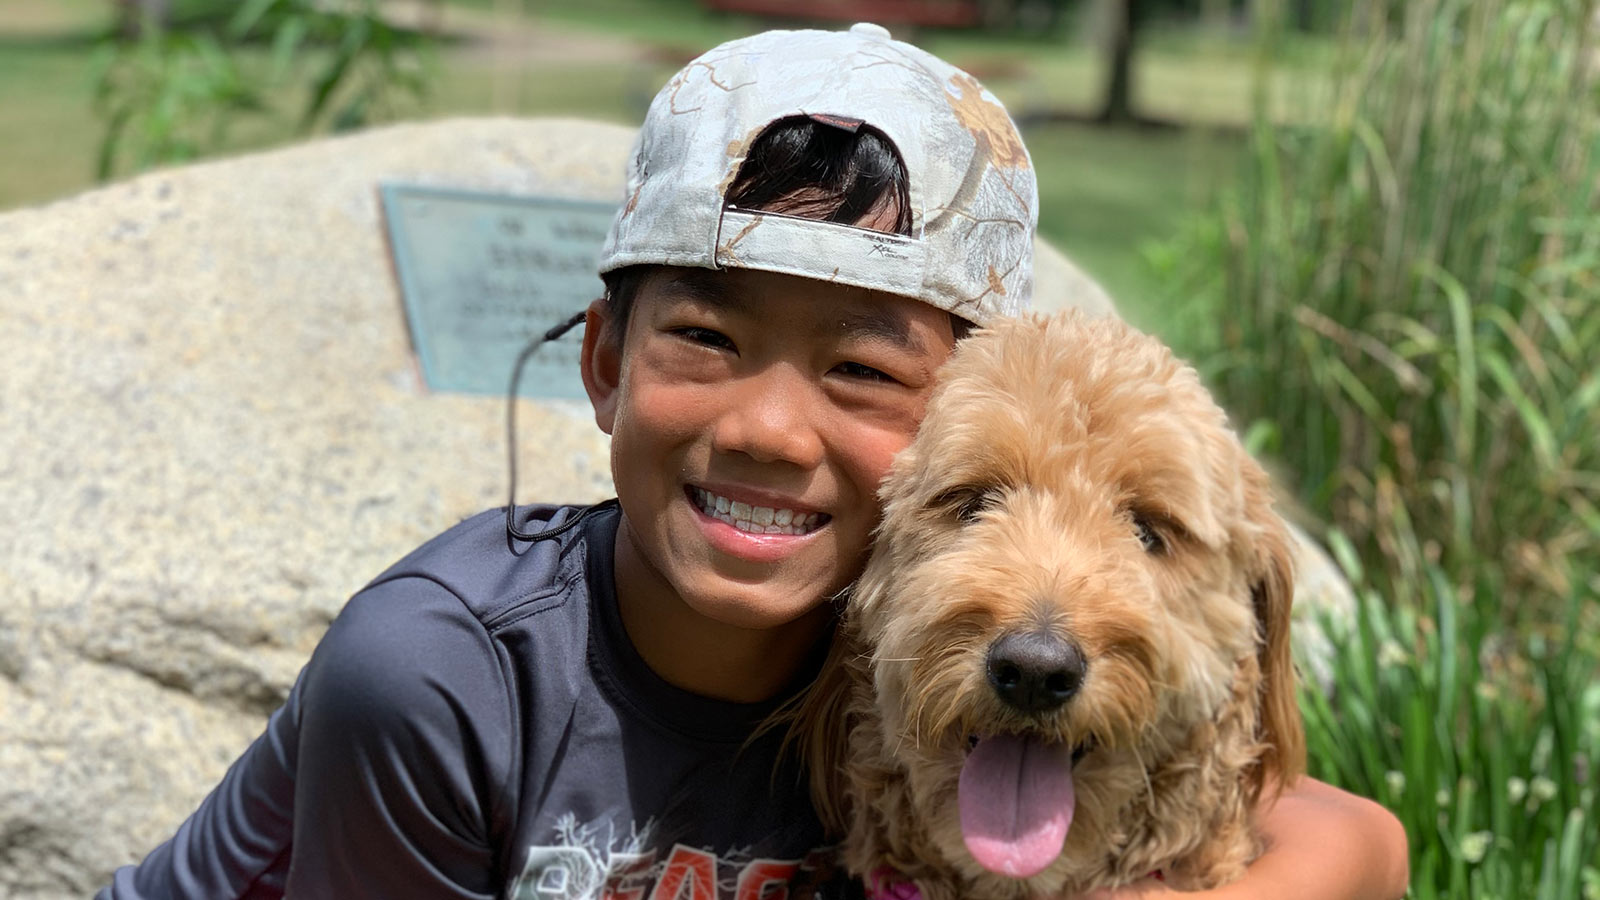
1492, 770
1407, 290
1401, 299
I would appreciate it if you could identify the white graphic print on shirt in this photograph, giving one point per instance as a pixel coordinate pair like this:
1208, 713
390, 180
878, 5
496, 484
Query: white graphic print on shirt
587, 864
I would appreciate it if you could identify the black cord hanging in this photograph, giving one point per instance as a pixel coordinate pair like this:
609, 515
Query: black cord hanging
511, 441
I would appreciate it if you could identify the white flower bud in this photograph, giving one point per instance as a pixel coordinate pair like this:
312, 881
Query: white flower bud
1475, 845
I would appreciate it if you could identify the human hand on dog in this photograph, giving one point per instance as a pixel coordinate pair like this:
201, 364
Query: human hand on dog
1323, 844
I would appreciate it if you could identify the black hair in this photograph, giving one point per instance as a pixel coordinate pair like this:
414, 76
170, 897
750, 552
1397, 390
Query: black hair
805, 168
800, 167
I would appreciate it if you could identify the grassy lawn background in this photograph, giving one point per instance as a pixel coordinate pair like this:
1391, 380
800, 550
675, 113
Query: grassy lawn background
1106, 193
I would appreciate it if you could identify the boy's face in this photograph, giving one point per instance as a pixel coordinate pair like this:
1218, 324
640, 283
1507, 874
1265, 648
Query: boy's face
779, 399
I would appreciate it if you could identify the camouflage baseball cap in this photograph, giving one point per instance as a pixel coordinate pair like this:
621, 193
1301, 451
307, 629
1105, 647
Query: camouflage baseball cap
974, 203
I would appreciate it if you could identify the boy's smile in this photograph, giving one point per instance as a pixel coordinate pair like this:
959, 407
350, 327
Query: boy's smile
746, 527
752, 417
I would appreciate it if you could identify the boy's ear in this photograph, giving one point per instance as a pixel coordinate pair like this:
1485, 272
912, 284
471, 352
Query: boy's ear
601, 364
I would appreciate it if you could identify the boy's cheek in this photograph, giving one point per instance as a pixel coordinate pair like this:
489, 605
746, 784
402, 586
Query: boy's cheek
656, 413
877, 446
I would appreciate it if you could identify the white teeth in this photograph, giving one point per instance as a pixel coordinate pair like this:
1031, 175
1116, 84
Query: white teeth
755, 519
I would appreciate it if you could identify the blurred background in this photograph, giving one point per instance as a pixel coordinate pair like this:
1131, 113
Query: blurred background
1371, 223
1133, 111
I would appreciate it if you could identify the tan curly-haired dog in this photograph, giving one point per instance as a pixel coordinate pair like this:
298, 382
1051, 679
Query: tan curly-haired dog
1067, 663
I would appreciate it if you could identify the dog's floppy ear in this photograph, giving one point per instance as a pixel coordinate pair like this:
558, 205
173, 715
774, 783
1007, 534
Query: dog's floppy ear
1272, 592
816, 727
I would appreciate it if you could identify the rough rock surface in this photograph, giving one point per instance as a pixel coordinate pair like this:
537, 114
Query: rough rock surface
211, 433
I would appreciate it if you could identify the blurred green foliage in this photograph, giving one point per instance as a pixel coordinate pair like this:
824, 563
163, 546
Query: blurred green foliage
1408, 292
1400, 294
169, 90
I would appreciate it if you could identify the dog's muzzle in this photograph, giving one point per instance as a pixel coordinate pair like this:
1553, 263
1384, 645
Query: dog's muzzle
1035, 671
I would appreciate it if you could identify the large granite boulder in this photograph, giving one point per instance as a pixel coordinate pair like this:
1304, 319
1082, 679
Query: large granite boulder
211, 433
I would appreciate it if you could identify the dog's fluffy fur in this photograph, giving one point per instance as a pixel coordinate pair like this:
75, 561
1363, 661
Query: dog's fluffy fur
1047, 445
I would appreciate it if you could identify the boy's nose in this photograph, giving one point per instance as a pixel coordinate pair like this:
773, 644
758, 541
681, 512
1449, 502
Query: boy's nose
770, 419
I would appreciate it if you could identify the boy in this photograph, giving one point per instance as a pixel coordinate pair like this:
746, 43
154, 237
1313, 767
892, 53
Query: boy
812, 220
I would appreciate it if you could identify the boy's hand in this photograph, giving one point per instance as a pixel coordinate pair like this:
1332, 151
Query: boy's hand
1322, 844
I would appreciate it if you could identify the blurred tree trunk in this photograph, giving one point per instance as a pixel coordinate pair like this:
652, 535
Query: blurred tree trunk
133, 16
1305, 15
1125, 19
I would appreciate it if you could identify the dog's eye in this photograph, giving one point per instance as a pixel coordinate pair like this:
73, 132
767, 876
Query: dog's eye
1148, 536
965, 503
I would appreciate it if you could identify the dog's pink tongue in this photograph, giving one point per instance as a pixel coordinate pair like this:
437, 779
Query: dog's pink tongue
1016, 802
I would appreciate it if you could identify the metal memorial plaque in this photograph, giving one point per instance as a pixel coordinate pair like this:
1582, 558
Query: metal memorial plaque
483, 273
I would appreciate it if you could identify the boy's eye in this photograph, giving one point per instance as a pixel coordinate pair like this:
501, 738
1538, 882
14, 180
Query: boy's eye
866, 373
705, 336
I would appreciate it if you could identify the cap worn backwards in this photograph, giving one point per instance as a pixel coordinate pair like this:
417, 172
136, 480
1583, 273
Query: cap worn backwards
974, 203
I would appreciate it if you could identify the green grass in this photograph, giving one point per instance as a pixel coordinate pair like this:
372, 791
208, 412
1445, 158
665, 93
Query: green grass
1106, 194
47, 129
684, 24
1183, 75
604, 91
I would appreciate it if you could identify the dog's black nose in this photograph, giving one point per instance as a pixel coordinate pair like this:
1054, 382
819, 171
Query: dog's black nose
1035, 671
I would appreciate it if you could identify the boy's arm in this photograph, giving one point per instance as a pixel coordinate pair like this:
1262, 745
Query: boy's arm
375, 779
405, 732
1322, 844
